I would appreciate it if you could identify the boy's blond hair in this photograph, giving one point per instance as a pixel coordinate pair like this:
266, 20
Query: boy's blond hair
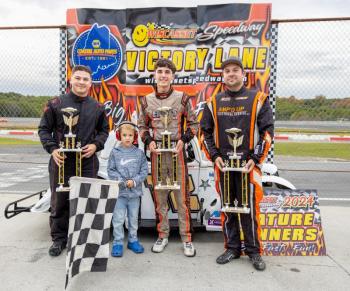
127, 126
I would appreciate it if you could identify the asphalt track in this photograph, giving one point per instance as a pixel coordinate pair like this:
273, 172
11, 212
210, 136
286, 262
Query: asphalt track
23, 170
26, 265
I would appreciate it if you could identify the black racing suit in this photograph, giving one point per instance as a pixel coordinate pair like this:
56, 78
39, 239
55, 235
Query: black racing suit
249, 111
92, 128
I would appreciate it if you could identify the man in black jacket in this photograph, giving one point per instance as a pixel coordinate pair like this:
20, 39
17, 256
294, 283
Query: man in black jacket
91, 131
248, 110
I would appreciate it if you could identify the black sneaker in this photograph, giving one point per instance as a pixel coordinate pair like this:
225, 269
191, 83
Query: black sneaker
258, 262
227, 256
56, 248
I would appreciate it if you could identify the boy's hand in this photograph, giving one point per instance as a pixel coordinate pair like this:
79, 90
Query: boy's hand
129, 183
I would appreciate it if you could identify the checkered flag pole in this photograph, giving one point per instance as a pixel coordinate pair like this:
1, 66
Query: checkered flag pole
272, 82
62, 61
91, 205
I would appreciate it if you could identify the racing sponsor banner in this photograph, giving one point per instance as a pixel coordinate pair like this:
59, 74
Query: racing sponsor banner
121, 47
291, 223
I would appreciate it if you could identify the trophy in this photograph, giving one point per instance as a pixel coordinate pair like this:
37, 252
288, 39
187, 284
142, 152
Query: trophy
169, 181
234, 165
70, 118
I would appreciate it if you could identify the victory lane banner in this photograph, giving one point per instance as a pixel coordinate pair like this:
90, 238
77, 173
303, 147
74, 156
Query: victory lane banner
91, 205
121, 47
291, 223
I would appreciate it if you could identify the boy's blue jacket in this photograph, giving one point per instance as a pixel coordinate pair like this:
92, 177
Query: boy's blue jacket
128, 163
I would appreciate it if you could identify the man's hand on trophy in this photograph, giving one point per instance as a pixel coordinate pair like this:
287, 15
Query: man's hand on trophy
219, 163
153, 147
179, 146
249, 166
88, 150
57, 157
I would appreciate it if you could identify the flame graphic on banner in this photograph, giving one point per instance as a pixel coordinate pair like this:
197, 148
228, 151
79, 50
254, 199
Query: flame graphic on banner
295, 248
262, 79
114, 107
205, 95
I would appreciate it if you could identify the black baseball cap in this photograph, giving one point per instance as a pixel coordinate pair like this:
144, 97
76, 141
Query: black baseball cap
232, 60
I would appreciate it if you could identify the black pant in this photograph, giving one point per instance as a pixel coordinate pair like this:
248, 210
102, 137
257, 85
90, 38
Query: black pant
59, 217
249, 222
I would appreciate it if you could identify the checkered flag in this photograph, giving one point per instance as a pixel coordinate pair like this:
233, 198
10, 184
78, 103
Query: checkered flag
91, 205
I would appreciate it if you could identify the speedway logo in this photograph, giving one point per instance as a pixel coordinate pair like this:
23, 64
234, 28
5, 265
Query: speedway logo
142, 35
270, 202
100, 50
214, 31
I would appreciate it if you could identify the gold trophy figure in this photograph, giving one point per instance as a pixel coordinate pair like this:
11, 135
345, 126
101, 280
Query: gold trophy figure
166, 146
70, 118
234, 165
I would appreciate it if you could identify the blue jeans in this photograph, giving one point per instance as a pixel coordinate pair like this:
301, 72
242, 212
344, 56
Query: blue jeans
123, 205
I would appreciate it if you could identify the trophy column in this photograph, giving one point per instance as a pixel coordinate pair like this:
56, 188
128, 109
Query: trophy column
234, 165
70, 118
167, 147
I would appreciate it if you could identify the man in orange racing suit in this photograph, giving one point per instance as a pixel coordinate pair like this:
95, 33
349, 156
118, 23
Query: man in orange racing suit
249, 111
181, 113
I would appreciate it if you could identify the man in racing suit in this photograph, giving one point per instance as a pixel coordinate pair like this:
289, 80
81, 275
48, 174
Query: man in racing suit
181, 113
91, 131
249, 111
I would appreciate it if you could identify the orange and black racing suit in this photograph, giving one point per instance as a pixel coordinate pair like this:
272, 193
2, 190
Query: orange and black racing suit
182, 125
249, 111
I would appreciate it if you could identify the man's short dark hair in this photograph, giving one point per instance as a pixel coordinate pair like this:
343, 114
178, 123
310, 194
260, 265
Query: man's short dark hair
81, 68
161, 63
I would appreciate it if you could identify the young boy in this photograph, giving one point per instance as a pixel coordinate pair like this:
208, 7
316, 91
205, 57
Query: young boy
127, 164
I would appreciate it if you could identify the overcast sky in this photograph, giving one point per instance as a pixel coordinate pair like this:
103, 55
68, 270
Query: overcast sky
50, 12
313, 58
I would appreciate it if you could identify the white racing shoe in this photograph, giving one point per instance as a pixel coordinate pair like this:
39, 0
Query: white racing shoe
189, 250
159, 245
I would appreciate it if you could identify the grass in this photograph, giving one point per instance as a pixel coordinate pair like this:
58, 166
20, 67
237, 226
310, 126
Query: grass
313, 149
311, 131
300, 149
17, 141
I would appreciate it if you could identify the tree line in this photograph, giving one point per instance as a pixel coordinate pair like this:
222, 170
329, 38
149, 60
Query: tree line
287, 108
317, 109
18, 105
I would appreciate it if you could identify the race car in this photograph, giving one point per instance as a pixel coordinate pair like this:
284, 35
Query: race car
204, 200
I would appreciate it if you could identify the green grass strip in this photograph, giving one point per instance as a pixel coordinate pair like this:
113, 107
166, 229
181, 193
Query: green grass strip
17, 141
314, 149
339, 132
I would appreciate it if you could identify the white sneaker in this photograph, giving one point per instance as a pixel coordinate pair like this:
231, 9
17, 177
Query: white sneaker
189, 249
159, 245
